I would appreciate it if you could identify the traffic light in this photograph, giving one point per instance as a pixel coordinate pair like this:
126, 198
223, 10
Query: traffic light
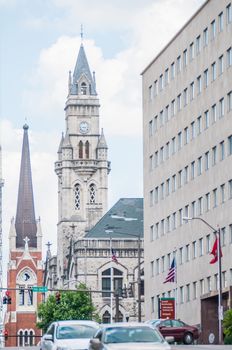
6, 334
7, 298
124, 292
58, 297
130, 291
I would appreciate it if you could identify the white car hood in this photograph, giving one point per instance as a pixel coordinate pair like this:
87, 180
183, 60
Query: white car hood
138, 346
74, 344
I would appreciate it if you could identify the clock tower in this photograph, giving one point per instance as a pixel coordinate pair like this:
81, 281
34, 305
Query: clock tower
82, 167
25, 265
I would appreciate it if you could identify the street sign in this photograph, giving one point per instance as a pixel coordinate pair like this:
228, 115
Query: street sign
167, 308
40, 289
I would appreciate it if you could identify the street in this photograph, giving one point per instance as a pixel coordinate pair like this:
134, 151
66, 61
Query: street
173, 347
202, 347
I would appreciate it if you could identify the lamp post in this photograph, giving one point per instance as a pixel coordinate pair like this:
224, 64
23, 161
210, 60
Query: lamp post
220, 310
139, 279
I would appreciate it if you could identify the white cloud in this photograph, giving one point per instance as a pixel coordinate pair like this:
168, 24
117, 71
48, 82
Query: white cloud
146, 29
118, 79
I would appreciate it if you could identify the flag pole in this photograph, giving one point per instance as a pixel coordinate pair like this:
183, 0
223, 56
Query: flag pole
111, 285
220, 307
175, 291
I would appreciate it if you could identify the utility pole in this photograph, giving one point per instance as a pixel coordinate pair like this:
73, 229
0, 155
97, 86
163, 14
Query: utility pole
1, 305
116, 294
139, 279
220, 307
219, 261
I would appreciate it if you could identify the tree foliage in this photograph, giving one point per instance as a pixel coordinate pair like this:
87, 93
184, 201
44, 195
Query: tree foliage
74, 305
227, 323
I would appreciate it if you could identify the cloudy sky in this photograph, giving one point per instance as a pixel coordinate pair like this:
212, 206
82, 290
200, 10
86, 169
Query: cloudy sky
39, 42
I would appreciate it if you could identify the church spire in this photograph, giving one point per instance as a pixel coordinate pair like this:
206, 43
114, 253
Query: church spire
82, 83
25, 223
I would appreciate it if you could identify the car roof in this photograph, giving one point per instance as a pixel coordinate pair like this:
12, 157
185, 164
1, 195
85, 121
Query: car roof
126, 325
81, 322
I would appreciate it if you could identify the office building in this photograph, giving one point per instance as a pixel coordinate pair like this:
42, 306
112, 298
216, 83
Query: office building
187, 120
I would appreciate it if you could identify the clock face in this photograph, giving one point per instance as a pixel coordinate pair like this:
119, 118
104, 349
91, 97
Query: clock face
84, 127
26, 276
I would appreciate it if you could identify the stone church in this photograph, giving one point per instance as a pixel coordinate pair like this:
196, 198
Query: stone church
87, 232
25, 266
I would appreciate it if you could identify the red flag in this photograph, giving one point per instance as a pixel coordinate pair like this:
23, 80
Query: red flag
214, 252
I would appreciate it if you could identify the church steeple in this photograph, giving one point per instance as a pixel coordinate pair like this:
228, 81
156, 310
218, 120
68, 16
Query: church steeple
82, 167
25, 223
82, 82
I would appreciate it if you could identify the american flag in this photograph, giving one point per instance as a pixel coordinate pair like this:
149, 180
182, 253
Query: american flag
171, 277
113, 256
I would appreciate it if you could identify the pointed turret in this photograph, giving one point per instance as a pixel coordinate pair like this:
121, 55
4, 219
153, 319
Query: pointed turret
25, 223
102, 141
82, 82
66, 141
61, 143
102, 147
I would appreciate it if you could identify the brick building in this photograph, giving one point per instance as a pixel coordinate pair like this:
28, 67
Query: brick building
25, 268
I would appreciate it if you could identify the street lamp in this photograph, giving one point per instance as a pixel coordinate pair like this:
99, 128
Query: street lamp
220, 309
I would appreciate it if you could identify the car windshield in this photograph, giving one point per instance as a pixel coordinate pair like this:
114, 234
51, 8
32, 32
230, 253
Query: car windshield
132, 335
74, 331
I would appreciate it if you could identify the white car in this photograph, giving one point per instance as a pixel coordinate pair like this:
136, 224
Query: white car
128, 336
69, 335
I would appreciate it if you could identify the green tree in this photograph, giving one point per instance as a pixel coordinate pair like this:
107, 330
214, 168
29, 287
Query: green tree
227, 325
74, 305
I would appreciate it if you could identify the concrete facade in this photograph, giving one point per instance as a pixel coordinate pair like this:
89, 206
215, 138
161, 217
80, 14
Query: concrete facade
187, 122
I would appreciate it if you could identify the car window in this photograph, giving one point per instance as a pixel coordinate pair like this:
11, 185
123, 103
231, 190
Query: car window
51, 330
177, 323
74, 331
131, 335
98, 335
166, 323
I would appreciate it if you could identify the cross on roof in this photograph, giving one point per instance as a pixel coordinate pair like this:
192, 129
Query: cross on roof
26, 240
82, 34
48, 245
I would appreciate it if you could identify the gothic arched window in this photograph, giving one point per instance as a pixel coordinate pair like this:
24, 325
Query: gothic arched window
80, 149
26, 338
83, 89
31, 338
106, 317
87, 149
106, 281
20, 338
92, 194
77, 196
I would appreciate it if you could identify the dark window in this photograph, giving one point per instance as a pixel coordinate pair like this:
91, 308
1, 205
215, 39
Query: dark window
80, 149
106, 281
87, 150
77, 196
31, 338
92, 194
83, 89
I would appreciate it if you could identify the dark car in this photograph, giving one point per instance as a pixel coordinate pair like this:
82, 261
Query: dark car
177, 329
